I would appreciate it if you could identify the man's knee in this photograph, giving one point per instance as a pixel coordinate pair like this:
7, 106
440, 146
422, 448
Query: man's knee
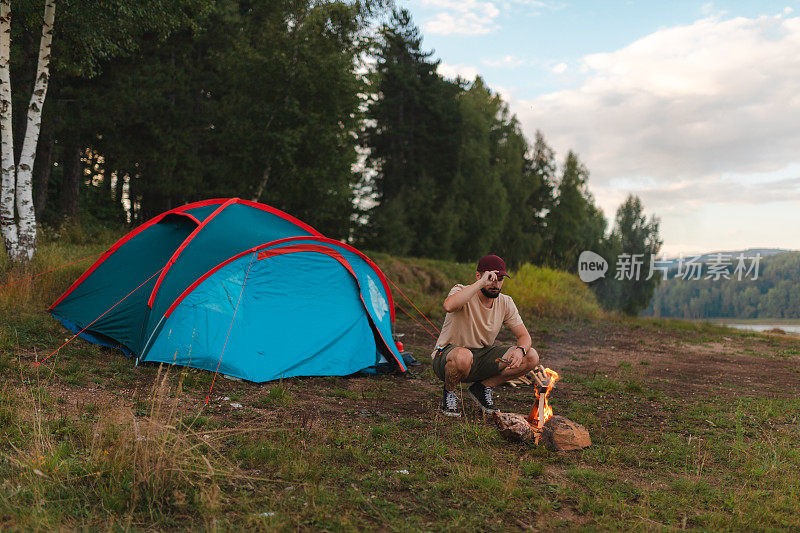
531, 359
461, 359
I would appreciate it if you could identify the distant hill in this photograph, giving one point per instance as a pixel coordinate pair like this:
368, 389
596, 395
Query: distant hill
748, 253
770, 291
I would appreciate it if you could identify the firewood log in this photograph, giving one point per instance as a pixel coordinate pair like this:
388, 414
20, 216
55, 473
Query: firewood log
513, 426
562, 434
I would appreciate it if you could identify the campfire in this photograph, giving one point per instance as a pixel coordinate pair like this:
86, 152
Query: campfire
541, 412
558, 432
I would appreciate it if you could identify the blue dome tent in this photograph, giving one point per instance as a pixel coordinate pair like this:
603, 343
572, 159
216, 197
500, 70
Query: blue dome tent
239, 287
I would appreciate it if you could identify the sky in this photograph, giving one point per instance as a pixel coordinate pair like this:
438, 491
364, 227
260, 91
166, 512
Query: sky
692, 106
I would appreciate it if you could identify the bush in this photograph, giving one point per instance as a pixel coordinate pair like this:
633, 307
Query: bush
545, 292
537, 291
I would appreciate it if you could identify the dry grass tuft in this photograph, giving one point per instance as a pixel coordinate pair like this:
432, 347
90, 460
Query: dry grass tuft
142, 468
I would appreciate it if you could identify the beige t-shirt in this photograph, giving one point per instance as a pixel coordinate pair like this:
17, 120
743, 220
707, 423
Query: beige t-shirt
475, 326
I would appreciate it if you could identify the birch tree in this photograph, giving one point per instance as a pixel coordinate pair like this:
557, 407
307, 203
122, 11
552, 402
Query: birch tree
17, 214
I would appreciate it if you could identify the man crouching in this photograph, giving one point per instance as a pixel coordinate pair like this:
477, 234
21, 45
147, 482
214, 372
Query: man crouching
465, 351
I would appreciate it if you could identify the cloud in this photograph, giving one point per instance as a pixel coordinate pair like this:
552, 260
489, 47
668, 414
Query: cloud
463, 24
506, 93
534, 3
708, 10
559, 68
467, 72
539, 4
684, 196
721, 213
467, 17
684, 103
504, 62
474, 17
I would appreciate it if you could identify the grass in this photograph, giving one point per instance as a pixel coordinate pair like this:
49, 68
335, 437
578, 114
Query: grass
91, 442
278, 396
424, 281
541, 291
106, 464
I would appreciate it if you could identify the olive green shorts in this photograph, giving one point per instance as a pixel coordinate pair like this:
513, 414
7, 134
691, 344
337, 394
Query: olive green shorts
484, 361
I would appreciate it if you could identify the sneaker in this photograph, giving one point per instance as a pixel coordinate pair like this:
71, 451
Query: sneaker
482, 396
449, 405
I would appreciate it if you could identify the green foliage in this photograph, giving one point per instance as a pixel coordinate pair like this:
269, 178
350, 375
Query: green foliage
87, 37
170, 103
537, 291
288, 97
233, 98
774, 295
89, 33
481, 198
451, 176
575, 224
529, 188
544, 292
412, 136
425, 281
636, 240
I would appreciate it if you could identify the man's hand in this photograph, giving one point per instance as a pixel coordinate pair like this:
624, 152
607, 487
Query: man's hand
515, 359
512, 361
456, 301
488, 277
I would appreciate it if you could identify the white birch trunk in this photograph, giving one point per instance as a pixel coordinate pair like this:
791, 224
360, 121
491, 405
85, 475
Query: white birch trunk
24, 190
264, 179
8, 225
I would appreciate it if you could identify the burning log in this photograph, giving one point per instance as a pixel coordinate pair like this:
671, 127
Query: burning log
545, 381
558, 432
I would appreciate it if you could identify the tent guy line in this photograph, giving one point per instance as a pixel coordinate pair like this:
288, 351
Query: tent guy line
51, 270
37, 363
420, 324
412, 303
230, 327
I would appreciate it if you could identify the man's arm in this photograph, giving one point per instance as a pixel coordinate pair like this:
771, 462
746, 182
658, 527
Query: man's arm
456, 301
522, 335
524, 340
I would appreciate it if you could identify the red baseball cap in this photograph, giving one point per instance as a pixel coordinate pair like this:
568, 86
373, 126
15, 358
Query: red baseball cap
493, 262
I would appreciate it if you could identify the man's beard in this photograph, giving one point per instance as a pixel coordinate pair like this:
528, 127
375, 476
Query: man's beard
491, 293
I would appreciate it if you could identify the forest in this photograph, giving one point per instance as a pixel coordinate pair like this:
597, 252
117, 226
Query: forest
331, 111
771, 292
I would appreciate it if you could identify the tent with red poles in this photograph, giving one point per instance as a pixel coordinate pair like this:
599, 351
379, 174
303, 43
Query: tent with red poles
237, 287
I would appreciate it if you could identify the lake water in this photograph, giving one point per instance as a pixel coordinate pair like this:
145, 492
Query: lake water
788, 328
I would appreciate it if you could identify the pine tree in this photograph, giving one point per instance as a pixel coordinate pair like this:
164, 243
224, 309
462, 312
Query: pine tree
412, 139
481, 199
575, 223
528, 179
634, 235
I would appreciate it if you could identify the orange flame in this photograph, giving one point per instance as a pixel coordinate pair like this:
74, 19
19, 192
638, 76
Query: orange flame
547, 411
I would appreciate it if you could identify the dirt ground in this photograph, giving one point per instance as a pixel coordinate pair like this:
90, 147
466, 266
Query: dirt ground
673, 362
